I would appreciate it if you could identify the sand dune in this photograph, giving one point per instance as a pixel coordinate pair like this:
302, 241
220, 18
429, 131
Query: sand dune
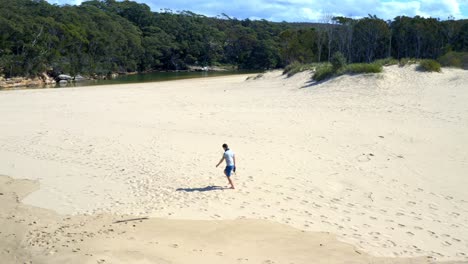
380, 161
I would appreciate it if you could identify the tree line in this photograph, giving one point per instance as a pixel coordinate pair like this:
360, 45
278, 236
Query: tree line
100, 37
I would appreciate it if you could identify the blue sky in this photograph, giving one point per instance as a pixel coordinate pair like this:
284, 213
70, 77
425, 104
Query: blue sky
310, 10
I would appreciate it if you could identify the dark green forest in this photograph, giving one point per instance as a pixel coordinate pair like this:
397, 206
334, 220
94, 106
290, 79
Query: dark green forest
100, 37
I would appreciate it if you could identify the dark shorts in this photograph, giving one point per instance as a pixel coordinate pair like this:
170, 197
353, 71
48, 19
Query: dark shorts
228, 170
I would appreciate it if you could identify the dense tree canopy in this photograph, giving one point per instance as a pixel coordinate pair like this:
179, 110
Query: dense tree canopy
99, 37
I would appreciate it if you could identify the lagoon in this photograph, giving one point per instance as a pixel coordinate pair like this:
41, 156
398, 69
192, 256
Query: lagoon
141, 78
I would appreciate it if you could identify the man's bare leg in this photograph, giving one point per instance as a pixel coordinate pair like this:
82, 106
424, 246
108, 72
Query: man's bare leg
230, 182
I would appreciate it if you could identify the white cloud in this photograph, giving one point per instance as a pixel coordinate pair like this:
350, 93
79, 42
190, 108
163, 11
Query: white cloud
66, 2
309, 10
441, 8
395, 8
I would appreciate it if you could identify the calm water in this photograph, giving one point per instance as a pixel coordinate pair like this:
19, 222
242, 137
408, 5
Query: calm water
144, 77
161, 76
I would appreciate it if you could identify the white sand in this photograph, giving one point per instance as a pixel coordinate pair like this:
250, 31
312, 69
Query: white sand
34, 235
381, 161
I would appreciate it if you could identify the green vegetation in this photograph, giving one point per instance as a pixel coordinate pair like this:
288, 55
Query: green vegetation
327, 71
407, 61
429, 66
323, 72
455, 59
358, 68
106, 36
338, 61
296, 67
387, 62
339, 67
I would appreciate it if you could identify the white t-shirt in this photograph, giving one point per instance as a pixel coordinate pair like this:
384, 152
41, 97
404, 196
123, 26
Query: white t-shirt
229, 157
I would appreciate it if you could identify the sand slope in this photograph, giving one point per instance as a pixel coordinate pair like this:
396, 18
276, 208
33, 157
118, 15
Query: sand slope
32, 235
378, 160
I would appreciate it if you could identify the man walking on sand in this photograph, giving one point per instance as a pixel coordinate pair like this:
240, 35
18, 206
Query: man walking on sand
230, 163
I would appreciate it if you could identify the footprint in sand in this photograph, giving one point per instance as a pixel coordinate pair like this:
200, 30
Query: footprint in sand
363, 158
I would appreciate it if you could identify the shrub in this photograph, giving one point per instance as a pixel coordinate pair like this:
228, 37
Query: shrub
455, 59
407, 61
356, 68
429, 66
387, 61
338, 61
297, 67
323, 72
290, 67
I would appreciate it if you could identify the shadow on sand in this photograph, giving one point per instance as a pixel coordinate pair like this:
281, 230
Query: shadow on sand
312, 83
131, 220
203, 189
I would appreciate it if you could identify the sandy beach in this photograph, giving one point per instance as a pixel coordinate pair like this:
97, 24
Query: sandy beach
359, 169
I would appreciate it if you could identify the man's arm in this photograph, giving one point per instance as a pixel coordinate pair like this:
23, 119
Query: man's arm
234, 159
220, 161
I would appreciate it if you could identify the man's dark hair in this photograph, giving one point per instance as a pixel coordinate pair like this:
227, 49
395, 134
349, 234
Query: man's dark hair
225, 145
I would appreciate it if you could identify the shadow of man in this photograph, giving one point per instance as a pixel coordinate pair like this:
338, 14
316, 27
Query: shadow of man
202, 189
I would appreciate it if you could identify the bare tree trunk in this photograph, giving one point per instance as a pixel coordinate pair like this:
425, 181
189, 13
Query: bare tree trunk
328, 20
390, 45
319, 42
